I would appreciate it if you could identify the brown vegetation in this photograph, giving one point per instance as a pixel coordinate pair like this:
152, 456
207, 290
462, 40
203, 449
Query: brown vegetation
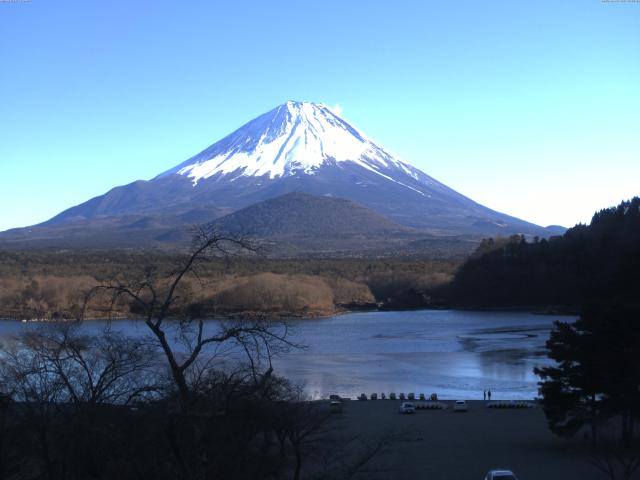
43, 296
53, 284
290, 294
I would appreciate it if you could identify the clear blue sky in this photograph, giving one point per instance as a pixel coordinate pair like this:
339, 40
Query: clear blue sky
531, 108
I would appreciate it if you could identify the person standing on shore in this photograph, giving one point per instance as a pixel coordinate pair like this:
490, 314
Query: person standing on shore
489, 394
484, 394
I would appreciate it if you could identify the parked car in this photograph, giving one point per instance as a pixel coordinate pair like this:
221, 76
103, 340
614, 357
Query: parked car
460, 406
500, 475
374, 396
407, 407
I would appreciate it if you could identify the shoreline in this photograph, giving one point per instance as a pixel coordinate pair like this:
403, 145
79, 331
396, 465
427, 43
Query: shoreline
283, 316
535, 310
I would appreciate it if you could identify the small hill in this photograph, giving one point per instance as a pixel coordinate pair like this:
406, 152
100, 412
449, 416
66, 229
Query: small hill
302, 215
296, 224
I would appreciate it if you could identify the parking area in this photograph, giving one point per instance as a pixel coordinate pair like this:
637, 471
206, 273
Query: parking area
444, 444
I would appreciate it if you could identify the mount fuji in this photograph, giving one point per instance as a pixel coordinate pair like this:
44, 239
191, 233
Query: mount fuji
296, 147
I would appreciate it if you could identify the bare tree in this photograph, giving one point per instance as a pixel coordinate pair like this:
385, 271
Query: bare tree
319, 444
107, 369
155, 295
30, 382
9, 452
618, 460
63, 383
347, 457
231, 407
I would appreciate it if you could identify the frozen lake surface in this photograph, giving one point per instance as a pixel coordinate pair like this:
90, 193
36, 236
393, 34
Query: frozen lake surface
456, 354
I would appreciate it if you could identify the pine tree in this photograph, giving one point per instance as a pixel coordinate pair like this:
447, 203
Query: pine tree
597, 372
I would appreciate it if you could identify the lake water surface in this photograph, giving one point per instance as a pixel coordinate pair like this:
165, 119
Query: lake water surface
456, 354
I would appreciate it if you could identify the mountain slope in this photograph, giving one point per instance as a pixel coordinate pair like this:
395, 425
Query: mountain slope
294, 138
296, 147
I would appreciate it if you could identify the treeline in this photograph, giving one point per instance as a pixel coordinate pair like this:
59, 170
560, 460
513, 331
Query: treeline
589, 263
52, 285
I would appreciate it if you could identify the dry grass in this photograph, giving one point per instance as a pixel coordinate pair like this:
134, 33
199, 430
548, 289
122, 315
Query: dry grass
53, 285
62, 297
44, 296
270, 292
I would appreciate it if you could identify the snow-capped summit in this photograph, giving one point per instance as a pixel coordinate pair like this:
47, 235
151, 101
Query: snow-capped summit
296, 147
293, 138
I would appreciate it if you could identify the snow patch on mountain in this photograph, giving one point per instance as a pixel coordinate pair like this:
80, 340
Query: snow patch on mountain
294, 138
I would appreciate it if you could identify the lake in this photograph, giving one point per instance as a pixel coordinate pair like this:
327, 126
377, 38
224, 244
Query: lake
456, 354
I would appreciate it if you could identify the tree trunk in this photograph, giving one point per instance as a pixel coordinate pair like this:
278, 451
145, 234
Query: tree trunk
296, 475
594, 421
627, 429
176, 372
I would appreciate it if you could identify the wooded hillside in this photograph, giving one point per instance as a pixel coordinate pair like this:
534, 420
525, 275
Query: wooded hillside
588, 263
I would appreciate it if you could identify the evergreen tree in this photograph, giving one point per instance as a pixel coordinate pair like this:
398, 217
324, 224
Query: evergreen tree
597, 372
596, 262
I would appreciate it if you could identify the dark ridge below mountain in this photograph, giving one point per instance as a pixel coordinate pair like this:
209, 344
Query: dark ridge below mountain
301, 225
299, 214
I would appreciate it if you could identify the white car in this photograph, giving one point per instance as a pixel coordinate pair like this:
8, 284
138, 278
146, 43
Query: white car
407, 407
460, 406
500, 475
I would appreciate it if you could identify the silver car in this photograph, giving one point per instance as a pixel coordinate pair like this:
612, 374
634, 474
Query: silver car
407, 407
460, 406
500, 475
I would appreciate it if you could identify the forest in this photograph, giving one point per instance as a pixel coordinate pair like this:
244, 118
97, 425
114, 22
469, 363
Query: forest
589, 263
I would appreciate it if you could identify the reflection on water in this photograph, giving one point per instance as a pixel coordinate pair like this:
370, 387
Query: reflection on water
453, 353
456, 354
507, 365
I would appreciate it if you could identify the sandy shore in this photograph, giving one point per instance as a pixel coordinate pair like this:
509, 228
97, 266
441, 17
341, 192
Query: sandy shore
447, 445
